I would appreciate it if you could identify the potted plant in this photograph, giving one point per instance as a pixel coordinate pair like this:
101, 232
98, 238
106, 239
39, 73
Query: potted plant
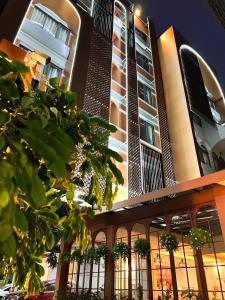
169, 241
140, 292
167, 294
190, 294
102, 251
120, 250
77, 256
142, 247
52, 260
199, 237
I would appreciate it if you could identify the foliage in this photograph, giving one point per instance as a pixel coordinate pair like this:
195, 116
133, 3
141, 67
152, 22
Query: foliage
120, 250
81, 296
169, 241
142, 247
190, 294
140, 292
52, 260
43, 139
167, 294
77, 255
199, 237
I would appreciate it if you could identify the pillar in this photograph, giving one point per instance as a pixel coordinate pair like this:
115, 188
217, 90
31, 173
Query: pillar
129, 265
148, 262
220, 205
62, 270
109, 266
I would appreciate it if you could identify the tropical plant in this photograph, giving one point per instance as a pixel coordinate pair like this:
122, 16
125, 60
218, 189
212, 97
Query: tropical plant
48, 151
199, 237
140, 292
120, 250
102, 252
169, 241
77, 255
142, 247
52, 260
191, 294
167, 294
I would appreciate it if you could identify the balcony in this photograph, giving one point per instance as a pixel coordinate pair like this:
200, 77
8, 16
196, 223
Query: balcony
36, 38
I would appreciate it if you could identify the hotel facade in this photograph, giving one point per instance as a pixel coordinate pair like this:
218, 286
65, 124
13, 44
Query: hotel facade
169, 109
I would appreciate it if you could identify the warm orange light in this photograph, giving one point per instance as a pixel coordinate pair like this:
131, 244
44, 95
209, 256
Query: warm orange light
137, 11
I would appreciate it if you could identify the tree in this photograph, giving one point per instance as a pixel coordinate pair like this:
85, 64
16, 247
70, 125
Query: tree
49, 151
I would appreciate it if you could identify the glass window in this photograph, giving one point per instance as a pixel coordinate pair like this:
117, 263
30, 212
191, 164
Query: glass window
52, 71
145, 93
204, 155
55, 28
147, 132
143, 61
141, 35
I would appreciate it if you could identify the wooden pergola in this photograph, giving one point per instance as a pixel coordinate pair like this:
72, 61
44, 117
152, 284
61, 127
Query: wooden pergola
190, 195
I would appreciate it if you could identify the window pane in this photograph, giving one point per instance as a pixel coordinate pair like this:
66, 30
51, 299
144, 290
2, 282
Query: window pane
51, 25
62, 34
38, 16
147, 132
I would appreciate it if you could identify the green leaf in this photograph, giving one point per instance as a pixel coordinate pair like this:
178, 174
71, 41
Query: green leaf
21, 68
71, 98
116, 172
6, 169
50, 241
54, 82
37, 191
4, 196
4, 117
26, 102
102, 123
2, 142
9, 246
5, 231
20, 220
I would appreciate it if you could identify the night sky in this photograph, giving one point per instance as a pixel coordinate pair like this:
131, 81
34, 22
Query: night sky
194, 20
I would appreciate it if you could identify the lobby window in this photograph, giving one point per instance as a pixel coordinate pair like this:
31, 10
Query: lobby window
141, 35
147, 132
52, 71
204, 155
216, 161
53, 27
145, 93
143, 61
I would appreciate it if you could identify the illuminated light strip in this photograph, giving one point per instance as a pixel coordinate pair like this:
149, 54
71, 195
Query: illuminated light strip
77, 38
190, 49
92, 8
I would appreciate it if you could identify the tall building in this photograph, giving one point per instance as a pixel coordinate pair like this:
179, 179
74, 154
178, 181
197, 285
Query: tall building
169, 109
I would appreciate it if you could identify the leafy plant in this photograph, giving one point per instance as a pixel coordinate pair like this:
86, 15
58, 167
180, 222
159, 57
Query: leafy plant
191, 294
48, 151
199, 237
169, 241
52, 260
167, 294
120, 250
77, 255
142, 247
102, 252
140, 292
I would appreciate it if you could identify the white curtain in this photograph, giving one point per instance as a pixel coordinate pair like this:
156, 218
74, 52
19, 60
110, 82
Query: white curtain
63, 34
51, 26
38, 16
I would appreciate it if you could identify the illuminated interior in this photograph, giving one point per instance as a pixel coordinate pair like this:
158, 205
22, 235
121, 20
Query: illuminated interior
118, 101
51, 29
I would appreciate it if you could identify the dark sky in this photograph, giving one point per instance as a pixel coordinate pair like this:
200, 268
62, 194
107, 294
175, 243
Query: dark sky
194, 20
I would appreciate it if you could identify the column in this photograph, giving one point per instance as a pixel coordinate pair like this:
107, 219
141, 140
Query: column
62, 270
149, 269
109, 266
220, 205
